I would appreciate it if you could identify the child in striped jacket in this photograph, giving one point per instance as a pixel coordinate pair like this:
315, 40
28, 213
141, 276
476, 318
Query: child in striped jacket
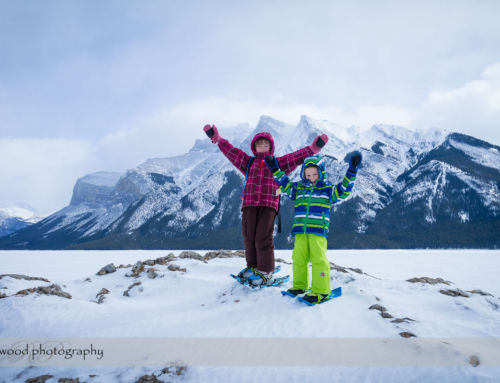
313, 198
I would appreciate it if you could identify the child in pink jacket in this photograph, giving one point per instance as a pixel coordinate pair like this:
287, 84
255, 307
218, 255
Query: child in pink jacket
260, 200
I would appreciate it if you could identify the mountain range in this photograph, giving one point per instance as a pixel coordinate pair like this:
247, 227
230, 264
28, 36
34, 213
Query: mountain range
415, 189
14, 218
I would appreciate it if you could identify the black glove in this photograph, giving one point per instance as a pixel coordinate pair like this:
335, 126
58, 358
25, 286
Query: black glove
320, 142
355, 161
210, 132
272, 163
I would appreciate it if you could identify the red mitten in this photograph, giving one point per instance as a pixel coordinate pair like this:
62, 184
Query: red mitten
318, 143
212, 133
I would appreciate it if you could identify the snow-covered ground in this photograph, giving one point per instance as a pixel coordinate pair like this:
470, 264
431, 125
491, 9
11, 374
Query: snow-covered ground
200, 301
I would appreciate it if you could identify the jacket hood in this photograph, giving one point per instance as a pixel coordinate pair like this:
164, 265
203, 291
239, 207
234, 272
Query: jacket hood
268, 137
316, 161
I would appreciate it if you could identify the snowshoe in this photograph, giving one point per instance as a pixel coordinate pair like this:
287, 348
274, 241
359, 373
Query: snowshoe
312, 300
260, 278
278, 281
293, 292
246, 273
241, 278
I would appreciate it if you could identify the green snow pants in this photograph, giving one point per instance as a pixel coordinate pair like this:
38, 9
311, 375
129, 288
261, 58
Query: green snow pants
311, 248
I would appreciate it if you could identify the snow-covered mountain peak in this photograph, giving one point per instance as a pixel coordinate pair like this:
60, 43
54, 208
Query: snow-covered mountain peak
431, 137
479, 151
392, 133
347, 134
108, 179
17, 212
267, 123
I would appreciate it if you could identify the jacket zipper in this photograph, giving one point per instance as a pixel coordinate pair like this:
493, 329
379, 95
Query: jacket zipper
307, 210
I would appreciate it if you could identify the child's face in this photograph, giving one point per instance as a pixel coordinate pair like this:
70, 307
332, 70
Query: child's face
262, 146
311, 173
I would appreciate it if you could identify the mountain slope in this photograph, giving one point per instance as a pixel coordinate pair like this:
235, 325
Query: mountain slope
414, 189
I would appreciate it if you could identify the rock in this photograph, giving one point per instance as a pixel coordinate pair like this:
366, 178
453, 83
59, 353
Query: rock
25, 277
455, 293
126, 292
88, 280
335, 267
474, 361
218, 254
406, 334
2, 295
359, 271
281, 260
174, 267
137, 269
174, 370
161, 261
53, 289
100, 295
191, 255
377, 307
39, 379
386, 315
108, 269
149, 262
102, 292
151, 273
431, 281
480, 292
149, 379
69, 380
402, 320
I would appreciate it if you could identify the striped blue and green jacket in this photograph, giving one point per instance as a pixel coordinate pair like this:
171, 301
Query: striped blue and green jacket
313, 202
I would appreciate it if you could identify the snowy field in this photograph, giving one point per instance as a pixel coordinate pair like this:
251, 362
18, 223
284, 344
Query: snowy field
187, 298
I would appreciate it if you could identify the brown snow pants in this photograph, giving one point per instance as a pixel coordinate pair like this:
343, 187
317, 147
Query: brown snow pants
257, 224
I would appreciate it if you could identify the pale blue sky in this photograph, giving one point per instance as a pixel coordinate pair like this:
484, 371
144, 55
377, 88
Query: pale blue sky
103, 85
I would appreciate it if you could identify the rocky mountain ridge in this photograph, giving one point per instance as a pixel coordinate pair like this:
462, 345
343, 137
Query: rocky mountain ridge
414, 190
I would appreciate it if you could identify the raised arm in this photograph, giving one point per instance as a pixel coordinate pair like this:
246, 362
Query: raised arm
237, 156
284, 184
290, 161
343, 189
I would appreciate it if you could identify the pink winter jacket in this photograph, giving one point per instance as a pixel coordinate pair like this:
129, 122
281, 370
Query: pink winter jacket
260, 189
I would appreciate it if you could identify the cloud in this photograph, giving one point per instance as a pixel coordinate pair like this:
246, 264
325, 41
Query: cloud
233, 111
473, 108
41, 172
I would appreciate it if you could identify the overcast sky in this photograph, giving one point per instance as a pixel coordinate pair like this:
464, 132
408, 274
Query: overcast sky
103, 85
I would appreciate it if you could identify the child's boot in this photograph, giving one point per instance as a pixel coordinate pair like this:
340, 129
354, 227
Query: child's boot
260, 278
296, 291
315, 298
246, 273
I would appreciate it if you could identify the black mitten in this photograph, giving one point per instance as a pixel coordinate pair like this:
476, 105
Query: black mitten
355, 161
272, 163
